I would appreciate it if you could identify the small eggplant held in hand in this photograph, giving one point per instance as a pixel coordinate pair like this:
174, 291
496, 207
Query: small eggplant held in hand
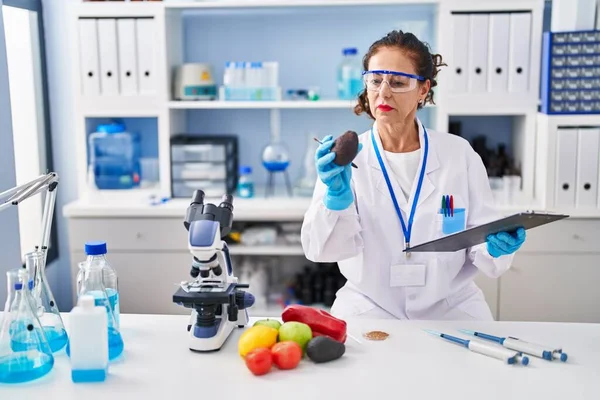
345, 148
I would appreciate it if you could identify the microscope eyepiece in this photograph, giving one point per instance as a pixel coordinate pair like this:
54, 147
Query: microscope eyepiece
198, 197
227, 202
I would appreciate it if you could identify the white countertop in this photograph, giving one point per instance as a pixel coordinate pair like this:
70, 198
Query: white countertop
411, 364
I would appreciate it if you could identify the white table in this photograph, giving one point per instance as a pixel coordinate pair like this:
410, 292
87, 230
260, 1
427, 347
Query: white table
410, 364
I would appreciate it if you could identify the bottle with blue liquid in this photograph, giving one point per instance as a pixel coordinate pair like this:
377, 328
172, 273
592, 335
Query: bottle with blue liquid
349, 80
25, 354
92, 284
43, 301
96, 255
115, 157
245, 187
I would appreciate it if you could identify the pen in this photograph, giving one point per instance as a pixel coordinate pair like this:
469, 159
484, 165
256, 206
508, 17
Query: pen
448, 205
444, 206
451, 206
512, 343
318, 141
508, 356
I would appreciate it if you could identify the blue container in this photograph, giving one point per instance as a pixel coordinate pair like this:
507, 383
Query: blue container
115, 157
245, 186
349, 80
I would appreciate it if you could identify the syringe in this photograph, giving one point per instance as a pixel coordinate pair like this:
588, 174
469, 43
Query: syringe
537, 350
507, 356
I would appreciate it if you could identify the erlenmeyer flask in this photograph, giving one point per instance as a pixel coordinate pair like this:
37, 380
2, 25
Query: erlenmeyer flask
92, 284
25, 354
305, 185
46, 308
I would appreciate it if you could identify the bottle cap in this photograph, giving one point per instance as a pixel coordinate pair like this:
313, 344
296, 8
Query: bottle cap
87, 302
113, 127
245, 169
350, 51
95, 248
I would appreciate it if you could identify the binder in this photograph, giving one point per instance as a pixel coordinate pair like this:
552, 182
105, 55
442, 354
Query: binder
566, 166
478, 52
127, 56
498, 53
145, 62
88, 52
519, 52
588, 146
460, 71
107, 39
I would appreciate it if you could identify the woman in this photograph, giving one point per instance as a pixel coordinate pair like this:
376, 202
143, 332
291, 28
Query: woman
364, 218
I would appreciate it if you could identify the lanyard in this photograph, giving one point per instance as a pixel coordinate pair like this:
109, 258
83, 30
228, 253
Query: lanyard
406, 229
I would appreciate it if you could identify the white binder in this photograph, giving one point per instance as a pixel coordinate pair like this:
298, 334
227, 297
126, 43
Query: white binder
519, 52
498, 53
588, 147
459, 63
109, 67
145, 59
478, 52
127, 56
566, 165
88, 52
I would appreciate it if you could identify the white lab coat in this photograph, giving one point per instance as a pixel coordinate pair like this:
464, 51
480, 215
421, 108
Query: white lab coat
367, 238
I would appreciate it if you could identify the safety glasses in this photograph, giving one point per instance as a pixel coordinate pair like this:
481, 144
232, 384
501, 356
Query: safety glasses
398, 82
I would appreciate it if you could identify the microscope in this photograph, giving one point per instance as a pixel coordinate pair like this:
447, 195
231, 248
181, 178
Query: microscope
218, 305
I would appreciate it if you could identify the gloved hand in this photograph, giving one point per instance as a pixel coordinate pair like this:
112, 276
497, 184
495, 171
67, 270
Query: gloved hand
337, 178
504, 243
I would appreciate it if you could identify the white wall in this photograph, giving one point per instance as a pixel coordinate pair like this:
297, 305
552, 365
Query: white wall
9, 224
60, 81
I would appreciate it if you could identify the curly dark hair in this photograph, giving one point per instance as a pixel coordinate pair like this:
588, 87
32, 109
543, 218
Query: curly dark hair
427, 64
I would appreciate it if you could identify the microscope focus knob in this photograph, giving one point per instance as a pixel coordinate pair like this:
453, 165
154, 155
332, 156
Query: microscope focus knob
244, 299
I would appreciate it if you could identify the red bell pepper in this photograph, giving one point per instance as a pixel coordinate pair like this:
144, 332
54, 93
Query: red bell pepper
321, 322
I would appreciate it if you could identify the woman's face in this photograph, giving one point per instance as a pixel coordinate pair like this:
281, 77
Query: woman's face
388, 106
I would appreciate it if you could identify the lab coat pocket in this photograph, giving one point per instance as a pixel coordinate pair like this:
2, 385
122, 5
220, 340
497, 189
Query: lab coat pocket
452, 223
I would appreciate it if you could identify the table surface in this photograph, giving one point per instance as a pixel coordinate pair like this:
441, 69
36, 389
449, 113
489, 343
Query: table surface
157, 361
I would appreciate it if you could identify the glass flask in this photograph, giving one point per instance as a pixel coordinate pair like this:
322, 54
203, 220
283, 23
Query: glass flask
305, 185
275, 157
92, 284
44, 303
25, 354
96, 254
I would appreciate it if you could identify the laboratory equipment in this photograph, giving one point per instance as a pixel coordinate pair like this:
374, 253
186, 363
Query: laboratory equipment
92, 285
207, 161
96, 254
507, 356
194, 81
250, 81
44, 303
276, 159
218, 305
25, 354
546, 352
305, 185
115, 157
349, 79
245, 188
88, 342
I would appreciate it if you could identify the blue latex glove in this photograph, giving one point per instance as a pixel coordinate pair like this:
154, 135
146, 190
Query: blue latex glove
337, 178
504, 243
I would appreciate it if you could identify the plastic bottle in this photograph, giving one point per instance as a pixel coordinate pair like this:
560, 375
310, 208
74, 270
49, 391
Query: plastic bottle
349, 79
96, 255
88, 342
245, 184
115, 157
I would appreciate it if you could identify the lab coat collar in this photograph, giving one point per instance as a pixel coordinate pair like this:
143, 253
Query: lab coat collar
432, 164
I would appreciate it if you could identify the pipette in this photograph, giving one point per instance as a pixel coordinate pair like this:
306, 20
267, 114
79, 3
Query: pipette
507, 356
537, 350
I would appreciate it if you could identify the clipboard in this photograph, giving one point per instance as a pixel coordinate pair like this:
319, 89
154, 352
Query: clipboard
478, 234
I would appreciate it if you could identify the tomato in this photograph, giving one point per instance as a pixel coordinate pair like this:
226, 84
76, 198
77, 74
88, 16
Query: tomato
259, 361
286, 355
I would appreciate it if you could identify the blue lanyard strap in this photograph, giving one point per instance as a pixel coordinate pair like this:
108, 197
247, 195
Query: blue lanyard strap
407, 230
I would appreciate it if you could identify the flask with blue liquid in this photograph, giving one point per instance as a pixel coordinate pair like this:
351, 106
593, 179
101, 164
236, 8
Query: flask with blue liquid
349, 80
96, 255
115, 157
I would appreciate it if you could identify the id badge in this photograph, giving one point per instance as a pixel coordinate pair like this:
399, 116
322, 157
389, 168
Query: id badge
407, 275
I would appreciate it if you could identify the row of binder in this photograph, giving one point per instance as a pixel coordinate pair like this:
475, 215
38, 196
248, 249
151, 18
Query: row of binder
491, 52
577, 166
116, 56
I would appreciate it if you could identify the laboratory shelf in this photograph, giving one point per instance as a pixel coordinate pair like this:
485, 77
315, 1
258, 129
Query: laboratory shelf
287, 104
274, 250
286, 3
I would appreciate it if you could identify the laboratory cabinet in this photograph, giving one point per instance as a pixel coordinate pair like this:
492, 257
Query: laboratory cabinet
554, 276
